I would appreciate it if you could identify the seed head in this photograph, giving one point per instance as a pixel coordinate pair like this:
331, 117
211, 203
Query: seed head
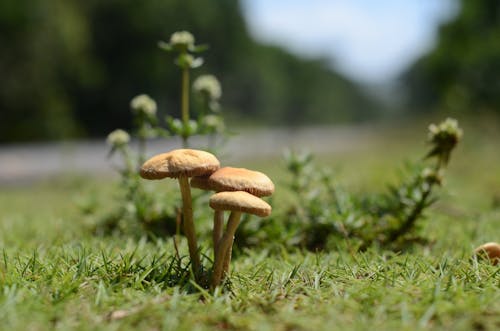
213, 123
447, 131
182, 39
118, 138
432, 176
444, 137
143, 104
208, 85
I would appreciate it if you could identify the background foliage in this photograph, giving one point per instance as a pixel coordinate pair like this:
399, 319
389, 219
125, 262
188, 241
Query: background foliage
461, 73
70, 67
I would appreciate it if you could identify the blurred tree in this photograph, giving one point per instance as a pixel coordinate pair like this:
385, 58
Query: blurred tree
71, 67
40, 44
461, 73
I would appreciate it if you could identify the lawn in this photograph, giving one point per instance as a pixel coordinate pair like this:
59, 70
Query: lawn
56, 275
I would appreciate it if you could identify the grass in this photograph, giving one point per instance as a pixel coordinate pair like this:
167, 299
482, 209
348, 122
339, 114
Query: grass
54, 275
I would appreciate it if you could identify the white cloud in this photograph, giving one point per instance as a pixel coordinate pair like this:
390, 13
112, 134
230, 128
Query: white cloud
371, 41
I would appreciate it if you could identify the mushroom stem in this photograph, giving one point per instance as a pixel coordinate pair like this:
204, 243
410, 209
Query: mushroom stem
223, 246
227, 258
187, 212
218, 228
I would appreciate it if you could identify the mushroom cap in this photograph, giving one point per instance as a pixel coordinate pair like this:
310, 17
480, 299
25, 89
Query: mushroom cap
178, 163
241, 179
240, 201
490, 250
201, 182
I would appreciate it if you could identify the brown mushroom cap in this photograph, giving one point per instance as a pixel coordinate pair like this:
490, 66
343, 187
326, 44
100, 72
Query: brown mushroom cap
241, 179
240, 201
201, 182
179, 162
489, 250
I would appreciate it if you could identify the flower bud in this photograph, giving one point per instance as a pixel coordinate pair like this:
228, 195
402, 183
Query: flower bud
432, 176
189, 61
118, 138
143, 104
213, 123
208, 85
191, 128
447, 131
174, 125
182, 40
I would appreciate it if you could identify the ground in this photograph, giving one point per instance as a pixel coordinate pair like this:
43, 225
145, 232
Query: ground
54, 274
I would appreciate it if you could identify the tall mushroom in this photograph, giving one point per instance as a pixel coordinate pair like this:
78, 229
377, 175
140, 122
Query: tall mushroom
183, 164
237, 179
237, 202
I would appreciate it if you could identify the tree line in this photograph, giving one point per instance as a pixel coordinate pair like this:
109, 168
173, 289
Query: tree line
70, 68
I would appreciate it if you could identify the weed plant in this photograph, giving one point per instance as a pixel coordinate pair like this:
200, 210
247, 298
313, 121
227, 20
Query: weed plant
140, 210
324, 212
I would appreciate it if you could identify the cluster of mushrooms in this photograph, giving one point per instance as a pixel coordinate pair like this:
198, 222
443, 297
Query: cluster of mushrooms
239, 190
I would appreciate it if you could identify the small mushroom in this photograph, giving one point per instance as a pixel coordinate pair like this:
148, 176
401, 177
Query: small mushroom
490, 251
232, 179
241, 179
182, 164
237, 202
238, 179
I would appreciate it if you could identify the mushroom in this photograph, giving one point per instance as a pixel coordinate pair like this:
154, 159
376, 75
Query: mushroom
490, 251
241, 179
237, 179
201, 182
182, 164
232, 179
237, 202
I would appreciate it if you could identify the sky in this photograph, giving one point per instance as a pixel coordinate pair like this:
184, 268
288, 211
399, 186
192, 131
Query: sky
370, 41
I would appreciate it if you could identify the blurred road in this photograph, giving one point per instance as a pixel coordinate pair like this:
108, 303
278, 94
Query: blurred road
24, 163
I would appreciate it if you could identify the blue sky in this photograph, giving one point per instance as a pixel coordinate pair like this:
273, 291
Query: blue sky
371, 41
